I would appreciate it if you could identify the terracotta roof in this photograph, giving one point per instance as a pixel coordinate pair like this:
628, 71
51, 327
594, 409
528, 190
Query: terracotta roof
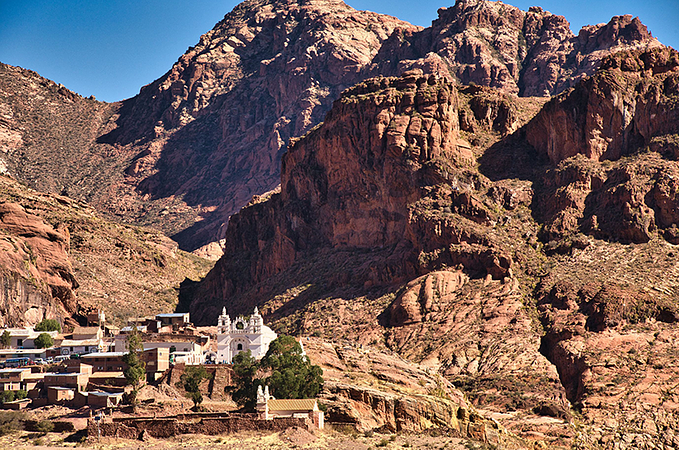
86, 330
305, 404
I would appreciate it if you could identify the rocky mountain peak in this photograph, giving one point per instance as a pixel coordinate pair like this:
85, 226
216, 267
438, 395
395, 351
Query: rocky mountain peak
529, 53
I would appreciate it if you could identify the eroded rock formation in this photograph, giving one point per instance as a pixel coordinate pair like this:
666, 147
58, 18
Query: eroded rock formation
531, 53
37, 276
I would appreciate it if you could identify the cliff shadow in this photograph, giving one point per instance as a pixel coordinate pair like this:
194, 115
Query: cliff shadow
513, 157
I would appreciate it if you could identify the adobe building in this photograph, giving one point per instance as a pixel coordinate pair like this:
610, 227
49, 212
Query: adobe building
241, 335
270, 408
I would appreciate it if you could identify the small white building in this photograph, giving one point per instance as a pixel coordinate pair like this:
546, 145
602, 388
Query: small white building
269, 408
25, 337
242, 335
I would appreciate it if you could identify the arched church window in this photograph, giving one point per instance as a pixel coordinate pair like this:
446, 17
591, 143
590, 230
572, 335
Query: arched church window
240, 346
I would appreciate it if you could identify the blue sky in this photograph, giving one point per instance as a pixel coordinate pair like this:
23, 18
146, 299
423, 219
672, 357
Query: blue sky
111, 48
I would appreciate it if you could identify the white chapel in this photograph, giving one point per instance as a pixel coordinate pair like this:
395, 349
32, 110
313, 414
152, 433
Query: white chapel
242, 335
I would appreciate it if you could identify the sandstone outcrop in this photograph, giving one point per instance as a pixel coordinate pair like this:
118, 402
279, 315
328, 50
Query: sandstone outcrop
37, 276
60, 259
624, 109
367, 178
528, 53
217, 123
195, 145
380, 391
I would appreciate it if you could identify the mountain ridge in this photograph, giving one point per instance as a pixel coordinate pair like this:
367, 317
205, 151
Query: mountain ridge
195, 145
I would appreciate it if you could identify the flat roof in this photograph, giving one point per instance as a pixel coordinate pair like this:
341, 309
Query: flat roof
168, 315
79, 342
13, 370
102, 354
106, 394
107, 375
306, 404
69, 374
25, 351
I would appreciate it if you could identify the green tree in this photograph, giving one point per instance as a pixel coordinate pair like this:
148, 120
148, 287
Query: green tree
44, 341
48, 325
244, 391
292, 374
190, 381
6, 339
136, 368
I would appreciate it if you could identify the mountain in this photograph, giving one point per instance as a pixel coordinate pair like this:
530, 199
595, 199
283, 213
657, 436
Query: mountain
492, 197
534, 268
528, 53
60, 260
194, 146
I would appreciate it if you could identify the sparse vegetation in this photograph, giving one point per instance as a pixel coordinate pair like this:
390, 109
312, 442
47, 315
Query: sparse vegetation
190, 382
10, 422
44, 340
48, 325
136, 368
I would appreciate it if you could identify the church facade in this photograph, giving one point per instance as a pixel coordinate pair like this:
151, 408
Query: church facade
242, 335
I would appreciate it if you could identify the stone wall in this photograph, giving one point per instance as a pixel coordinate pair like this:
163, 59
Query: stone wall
173, 426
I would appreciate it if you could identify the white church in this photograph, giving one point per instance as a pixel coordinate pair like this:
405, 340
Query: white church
242, 335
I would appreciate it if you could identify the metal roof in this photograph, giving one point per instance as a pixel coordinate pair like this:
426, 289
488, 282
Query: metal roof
103, 354
303, 404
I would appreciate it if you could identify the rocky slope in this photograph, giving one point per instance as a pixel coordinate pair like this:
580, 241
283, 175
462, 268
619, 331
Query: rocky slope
530, 53
60, 259
37, 277
480, 260
195, 145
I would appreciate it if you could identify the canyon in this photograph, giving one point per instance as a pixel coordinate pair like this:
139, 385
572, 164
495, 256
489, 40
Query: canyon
492, 198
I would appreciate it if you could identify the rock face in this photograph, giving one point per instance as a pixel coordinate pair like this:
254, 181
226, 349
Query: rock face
626, 106
195, 145
37, 277
531, 53
366, 179
504, 267
409, 398
60, 259
218, 122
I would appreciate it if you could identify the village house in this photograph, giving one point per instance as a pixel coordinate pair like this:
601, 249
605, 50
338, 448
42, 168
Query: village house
157, 361
104, 399
242, 335
24, 338
175, 335
77, 381
270, 408
13, 379
83, 340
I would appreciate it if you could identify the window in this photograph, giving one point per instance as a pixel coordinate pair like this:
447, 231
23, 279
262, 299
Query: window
240, 346
173, 349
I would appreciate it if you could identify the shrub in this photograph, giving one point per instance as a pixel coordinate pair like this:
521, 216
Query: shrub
44, 341
10, 422
44, 426
190, 381
48, 325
